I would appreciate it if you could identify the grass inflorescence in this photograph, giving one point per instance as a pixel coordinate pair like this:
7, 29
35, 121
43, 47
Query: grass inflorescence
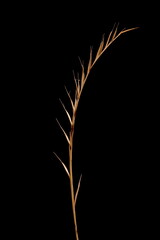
79, 81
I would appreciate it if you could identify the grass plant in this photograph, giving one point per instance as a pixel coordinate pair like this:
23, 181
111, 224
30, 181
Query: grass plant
79, 81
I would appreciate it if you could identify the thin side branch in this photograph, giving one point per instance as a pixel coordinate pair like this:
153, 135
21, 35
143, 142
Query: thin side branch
90, 61
65, 168
68, 115
72, 104
65, 134
78, 187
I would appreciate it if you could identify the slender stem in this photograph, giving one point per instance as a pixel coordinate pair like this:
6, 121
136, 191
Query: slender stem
71, 175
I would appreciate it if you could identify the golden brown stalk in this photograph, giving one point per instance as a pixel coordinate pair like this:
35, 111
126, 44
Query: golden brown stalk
79, 85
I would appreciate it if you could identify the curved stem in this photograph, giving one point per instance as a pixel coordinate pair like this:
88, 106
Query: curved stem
80, 82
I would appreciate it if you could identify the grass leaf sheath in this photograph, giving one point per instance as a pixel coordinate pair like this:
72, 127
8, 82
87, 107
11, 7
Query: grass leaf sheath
79, 82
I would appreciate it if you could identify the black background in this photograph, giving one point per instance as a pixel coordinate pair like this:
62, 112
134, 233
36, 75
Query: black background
116, 125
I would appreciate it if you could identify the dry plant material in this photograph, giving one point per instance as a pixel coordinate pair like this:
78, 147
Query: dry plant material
80, 81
